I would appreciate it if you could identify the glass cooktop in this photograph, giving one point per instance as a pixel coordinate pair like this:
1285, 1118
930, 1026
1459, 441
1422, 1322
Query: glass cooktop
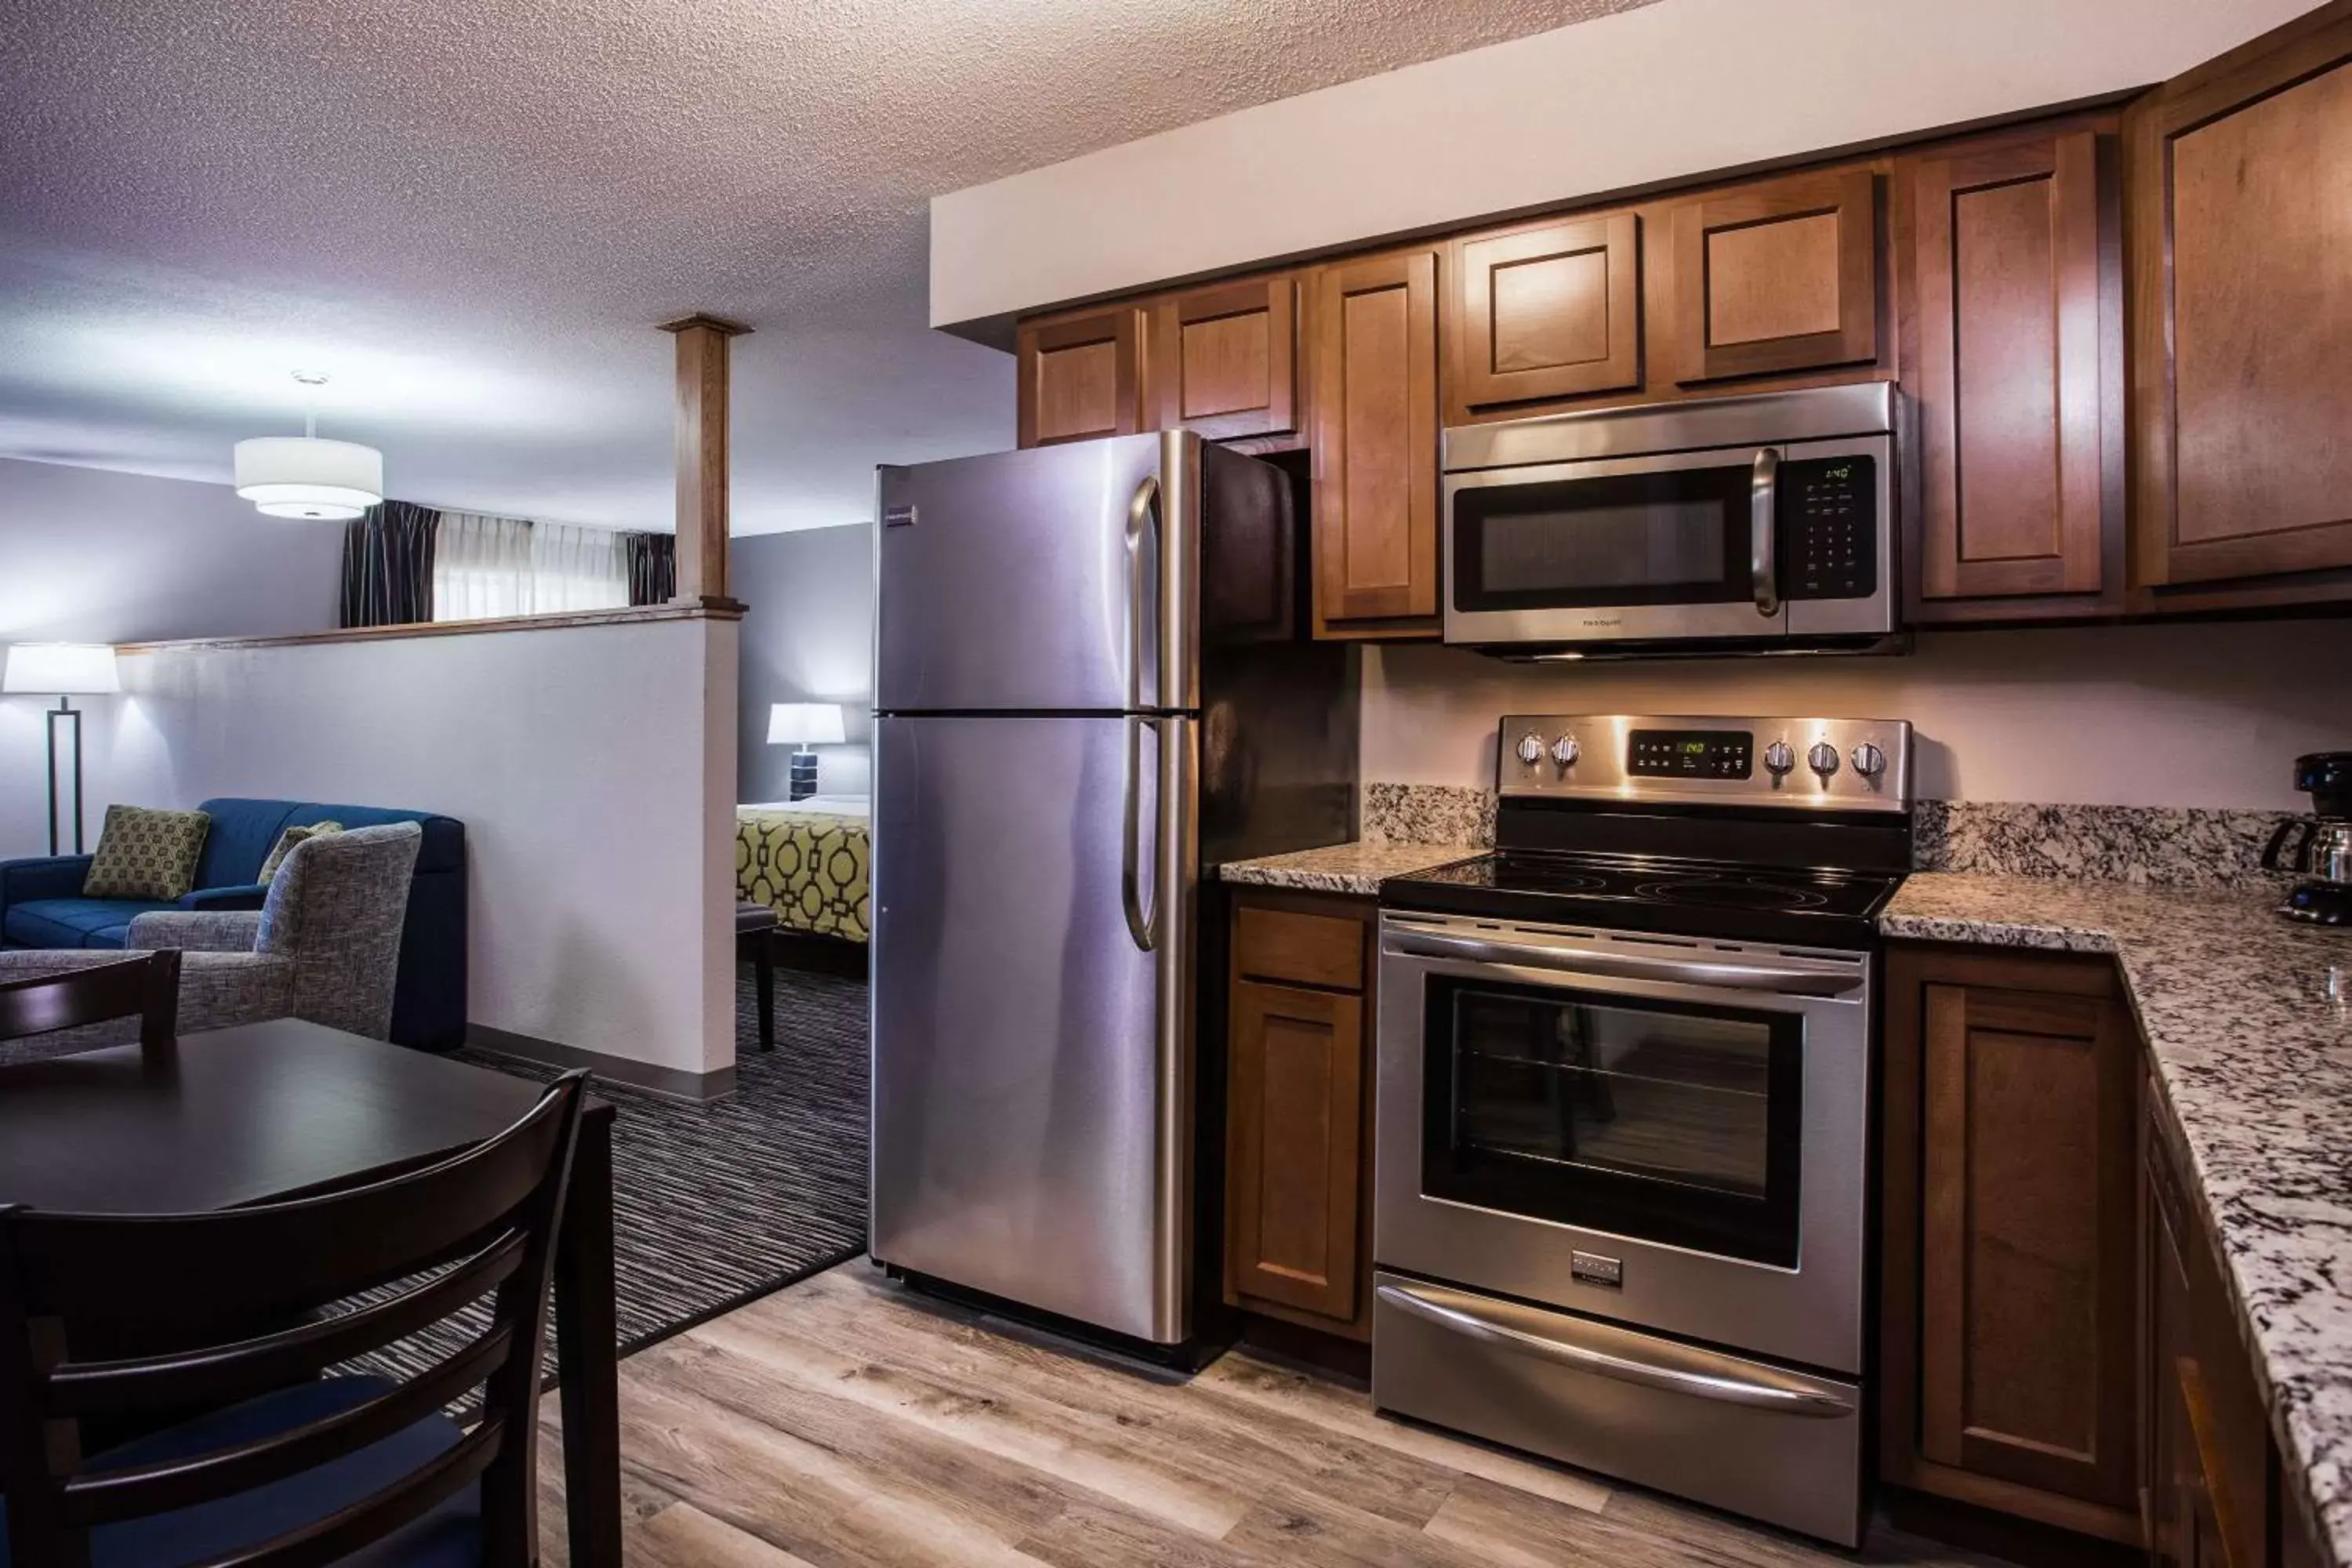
1645, 892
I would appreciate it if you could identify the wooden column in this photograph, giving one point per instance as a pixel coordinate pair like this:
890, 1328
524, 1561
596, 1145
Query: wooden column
702, 458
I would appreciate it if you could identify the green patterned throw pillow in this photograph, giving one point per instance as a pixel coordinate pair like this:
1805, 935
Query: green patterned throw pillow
286, 842
145, 853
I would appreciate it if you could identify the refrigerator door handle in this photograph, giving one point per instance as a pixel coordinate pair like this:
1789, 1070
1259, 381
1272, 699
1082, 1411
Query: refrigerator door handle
1142, 924
1142, 513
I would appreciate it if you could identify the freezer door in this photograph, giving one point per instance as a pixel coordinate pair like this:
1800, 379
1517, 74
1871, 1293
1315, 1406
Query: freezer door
1062, 579
1032, 1054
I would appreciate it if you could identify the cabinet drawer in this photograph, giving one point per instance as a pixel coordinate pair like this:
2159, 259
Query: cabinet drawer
1304, 950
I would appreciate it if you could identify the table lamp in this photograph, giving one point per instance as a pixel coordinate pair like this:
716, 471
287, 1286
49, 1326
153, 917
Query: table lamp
805, 725
63, 670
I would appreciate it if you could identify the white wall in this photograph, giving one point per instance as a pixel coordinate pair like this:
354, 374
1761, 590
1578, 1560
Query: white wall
2203, 715
594, 768
1667, 92
808, 638
91, 556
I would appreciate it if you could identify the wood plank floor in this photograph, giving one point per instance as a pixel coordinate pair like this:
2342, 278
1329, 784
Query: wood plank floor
843, 1424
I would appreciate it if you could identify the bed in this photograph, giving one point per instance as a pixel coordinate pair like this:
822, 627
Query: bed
806, 860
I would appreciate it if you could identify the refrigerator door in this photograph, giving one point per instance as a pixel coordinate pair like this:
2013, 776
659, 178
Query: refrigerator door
1032, 1024
1061, 579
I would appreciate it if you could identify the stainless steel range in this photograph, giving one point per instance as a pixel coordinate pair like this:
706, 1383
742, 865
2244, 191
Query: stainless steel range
1623, 1107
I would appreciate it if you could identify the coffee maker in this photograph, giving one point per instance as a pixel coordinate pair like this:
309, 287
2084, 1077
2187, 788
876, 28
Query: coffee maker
2319, 846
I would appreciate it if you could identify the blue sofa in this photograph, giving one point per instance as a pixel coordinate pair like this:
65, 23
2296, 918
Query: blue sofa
41, 902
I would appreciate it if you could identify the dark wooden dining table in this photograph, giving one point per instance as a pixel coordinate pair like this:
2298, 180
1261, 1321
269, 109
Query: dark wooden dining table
290, 1109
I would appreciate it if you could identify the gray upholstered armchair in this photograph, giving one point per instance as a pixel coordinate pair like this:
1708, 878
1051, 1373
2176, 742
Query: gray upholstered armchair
325, 944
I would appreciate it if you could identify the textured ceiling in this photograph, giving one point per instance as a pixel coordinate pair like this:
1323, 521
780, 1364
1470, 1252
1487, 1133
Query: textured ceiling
472, 212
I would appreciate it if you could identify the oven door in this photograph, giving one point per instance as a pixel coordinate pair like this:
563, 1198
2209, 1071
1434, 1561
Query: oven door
1734, 543
1663, 1131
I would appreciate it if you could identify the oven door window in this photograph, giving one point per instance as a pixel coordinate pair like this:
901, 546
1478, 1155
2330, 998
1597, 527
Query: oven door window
1677, 536
1662, 1121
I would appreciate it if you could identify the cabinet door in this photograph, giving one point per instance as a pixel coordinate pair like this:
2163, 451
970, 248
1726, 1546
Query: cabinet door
2010, 1237
2209, 1472
1224, 359
1780, 276
1373, 327
2241, 178
1294, 1112
1544, 313
1081, 376
2014, 366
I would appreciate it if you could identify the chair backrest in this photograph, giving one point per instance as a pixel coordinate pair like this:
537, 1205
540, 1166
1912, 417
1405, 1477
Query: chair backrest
82, 1297
146, 988
336, 909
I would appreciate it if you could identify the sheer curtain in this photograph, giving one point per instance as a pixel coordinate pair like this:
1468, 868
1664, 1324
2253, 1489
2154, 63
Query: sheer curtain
485, 567
577, 569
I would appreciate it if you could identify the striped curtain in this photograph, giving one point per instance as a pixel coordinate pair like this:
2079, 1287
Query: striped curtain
652, 567
388, 565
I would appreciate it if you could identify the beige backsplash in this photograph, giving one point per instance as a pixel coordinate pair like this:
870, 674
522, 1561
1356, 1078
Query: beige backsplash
2206, 716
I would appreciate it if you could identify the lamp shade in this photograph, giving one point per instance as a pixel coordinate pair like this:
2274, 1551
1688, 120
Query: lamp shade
805, 723
60, 669
306, 477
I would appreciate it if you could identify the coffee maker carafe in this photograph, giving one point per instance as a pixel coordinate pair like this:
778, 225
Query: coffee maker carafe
2319, 846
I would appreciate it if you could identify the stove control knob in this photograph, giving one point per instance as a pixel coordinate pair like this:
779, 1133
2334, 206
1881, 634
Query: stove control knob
1565, 751
1531, 748
1822, 759
1869, 760
1779, 759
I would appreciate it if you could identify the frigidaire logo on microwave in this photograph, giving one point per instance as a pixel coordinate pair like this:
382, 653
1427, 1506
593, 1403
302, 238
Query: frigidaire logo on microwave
1608, 621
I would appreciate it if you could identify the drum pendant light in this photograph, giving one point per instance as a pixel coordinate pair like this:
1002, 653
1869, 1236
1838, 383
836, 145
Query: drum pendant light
305, 476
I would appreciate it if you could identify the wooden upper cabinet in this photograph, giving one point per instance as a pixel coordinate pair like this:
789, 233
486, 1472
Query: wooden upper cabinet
1778, 276
2015, 361
1081, 376
1224, 359
1372, 335
2241, 178
1543, 313
2012, 1236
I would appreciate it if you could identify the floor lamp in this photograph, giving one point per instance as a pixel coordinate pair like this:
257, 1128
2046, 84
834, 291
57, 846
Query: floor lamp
62, 671
804, 725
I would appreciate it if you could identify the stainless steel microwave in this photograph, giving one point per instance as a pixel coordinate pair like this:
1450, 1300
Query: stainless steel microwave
1763, 523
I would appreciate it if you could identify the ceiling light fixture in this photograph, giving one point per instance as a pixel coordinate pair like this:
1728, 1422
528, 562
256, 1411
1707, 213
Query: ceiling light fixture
305, 476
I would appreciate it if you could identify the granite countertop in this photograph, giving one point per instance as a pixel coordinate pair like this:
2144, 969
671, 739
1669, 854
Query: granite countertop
2249, 1022
1356, 867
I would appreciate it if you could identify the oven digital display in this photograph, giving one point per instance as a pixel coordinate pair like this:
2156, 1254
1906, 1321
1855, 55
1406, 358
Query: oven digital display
1690, 753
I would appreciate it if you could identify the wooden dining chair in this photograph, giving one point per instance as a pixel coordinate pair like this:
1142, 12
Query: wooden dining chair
147, 988
293, 1463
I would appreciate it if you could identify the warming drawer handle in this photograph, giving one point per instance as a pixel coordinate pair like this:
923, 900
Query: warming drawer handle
1763, 527
1688, 971
1724, 1385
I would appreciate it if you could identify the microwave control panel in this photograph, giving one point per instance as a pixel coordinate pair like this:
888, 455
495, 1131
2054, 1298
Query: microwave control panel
1829, 533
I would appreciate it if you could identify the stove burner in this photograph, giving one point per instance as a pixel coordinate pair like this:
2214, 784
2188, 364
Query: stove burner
1733, 893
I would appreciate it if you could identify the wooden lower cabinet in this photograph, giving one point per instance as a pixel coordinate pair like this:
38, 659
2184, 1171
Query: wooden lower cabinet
1299, 1112
2010, 1239
2209, 1476
2058, 1343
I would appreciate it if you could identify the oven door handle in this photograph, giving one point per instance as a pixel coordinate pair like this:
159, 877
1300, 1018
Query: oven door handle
1701, 1374
1790, 982
1763, 528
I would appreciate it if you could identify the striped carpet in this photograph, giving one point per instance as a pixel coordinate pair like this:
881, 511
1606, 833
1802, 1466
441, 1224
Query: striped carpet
714, 1205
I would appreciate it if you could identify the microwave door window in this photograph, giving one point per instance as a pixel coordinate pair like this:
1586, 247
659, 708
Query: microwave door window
1670, 1123
1674, 537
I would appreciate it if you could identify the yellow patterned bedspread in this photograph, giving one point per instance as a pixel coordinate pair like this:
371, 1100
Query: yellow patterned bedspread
809, 867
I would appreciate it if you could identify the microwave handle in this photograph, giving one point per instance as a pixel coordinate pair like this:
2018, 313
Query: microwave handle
1763, 528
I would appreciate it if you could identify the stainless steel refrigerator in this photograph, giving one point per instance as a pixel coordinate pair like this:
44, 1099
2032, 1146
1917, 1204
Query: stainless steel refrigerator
1092, 683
